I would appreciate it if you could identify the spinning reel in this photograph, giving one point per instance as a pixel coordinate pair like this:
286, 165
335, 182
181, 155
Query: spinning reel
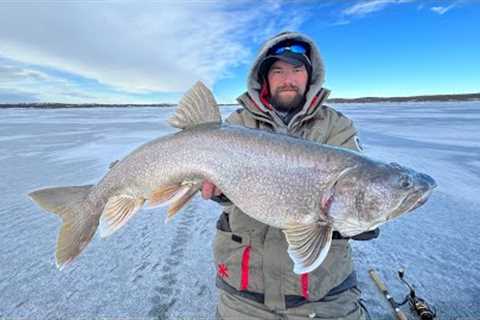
417, 304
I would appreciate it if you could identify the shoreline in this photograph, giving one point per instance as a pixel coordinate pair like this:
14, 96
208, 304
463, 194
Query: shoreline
364, 100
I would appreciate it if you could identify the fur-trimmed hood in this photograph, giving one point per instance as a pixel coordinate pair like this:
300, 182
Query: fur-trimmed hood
314, 95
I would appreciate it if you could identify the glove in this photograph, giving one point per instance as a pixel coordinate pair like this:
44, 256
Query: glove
209, 190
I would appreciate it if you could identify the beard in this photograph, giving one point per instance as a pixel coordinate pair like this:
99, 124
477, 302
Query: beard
289, 103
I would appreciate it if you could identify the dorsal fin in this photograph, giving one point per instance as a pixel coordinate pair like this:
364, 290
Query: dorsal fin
198, 106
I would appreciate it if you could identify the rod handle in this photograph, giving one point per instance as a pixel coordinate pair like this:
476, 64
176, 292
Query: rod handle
379, 283
400, 315
376, 278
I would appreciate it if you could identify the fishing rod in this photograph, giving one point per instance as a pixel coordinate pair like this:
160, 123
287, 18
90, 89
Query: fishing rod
381, 286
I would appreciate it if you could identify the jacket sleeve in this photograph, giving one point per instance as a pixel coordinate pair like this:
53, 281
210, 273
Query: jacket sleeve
236, 117
342, 131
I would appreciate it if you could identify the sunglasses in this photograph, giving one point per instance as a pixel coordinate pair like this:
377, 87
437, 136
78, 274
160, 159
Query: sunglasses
296, 48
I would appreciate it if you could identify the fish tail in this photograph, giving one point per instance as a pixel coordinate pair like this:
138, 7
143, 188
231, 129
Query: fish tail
79, 223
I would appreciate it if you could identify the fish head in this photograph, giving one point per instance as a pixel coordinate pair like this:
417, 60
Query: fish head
366, 196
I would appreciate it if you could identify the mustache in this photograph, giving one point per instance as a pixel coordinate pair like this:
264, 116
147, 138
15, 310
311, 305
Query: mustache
287, 88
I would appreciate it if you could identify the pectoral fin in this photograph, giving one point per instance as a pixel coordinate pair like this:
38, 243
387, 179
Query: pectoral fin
180, 202
308, 245
117, 211
175, 196
164, 195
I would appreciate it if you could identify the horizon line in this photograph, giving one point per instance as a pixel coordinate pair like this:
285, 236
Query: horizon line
474, 94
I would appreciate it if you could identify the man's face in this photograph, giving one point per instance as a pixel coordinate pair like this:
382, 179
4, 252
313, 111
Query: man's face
287, 85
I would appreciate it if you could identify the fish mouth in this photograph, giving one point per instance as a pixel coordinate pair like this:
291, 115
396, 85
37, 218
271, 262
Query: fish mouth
421, 201
424, 192
411, 202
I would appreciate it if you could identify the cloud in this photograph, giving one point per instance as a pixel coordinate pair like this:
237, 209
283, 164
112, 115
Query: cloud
17, 96
34, 83
455, 4
13, 75
441, 10
362, 8
20, 82
131, 48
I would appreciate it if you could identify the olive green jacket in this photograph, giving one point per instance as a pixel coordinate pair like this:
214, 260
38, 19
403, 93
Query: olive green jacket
253, 256
270, 269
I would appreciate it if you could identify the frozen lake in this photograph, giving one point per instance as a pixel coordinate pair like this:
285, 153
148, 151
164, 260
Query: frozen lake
149, 270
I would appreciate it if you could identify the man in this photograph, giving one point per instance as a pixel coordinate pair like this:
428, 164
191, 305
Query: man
254, 271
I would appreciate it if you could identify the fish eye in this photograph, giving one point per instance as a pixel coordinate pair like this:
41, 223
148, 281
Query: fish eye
406, 182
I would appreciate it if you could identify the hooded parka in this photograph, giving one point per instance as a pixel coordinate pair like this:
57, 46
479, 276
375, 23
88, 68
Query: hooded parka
251, 258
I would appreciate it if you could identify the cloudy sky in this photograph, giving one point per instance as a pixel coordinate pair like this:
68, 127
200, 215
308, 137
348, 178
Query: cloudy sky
152, 51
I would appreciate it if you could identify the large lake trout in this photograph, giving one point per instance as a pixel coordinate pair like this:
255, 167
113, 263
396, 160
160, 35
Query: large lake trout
302, 187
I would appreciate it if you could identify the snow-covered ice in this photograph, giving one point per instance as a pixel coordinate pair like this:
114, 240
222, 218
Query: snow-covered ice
149, 270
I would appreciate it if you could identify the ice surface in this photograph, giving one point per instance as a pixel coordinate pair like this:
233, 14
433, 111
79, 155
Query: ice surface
149, 270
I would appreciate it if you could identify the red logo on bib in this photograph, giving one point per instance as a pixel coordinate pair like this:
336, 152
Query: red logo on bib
222, 270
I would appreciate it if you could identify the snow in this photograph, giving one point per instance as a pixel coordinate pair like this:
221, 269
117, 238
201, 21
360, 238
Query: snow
149, 270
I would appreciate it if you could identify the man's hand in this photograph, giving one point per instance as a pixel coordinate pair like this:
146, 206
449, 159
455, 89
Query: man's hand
209, 190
